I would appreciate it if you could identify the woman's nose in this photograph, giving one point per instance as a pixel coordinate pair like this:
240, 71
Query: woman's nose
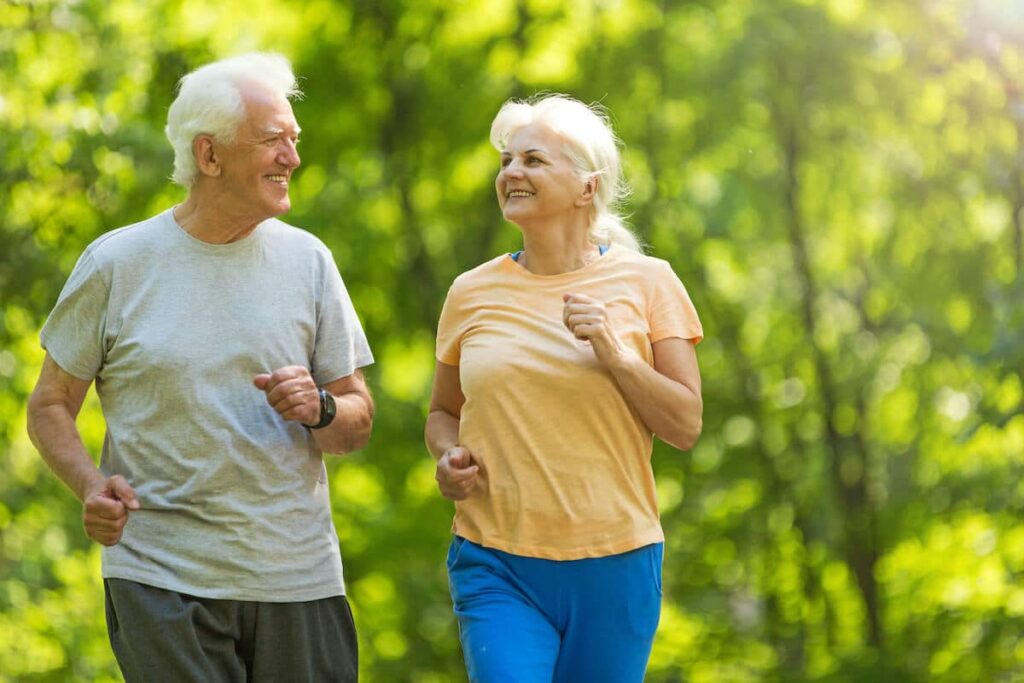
513, 170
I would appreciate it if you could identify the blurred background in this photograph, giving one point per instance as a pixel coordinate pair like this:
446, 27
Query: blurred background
840, 184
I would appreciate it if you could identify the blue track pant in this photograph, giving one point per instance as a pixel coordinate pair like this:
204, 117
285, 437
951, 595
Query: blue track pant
531, 620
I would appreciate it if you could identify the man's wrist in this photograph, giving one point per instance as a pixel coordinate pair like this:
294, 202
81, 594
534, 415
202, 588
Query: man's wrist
91, 482
328, 409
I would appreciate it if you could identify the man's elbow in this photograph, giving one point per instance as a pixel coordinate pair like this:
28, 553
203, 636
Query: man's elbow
362, 427
360, 435
31, 415
35, 414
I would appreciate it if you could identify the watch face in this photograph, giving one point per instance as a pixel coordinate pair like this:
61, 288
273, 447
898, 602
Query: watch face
327, 410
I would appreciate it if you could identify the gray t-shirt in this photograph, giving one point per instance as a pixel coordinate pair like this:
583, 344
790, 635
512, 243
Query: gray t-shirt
234, 498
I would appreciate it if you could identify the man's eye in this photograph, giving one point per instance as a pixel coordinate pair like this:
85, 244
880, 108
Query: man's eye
534, 161
505, 161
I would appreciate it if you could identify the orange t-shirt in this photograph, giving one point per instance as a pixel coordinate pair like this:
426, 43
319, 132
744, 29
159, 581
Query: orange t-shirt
565, 463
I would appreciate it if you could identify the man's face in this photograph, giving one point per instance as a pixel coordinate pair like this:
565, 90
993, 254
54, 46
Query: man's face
257, 167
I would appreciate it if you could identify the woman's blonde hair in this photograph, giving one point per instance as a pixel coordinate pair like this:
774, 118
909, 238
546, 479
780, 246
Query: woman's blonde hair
592, 147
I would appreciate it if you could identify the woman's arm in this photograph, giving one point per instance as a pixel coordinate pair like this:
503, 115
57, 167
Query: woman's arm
666, 396
456, 472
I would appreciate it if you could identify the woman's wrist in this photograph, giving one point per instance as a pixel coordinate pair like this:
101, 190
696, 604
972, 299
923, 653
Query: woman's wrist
622, 359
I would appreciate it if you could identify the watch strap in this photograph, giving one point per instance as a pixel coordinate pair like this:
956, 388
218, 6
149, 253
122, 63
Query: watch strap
327, 410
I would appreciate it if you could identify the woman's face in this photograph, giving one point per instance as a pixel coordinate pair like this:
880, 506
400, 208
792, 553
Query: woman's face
537, 181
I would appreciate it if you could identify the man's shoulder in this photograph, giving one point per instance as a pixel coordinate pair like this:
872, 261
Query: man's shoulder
128, 241
285, 235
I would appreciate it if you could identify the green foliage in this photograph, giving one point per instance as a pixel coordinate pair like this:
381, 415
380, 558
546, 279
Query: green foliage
839, 183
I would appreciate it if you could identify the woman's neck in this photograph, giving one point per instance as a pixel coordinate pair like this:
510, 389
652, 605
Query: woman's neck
553, 253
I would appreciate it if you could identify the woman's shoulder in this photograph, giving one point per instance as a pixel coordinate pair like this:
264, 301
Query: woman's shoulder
483, 274
642, 265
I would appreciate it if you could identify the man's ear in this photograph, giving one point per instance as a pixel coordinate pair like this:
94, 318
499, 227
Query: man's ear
206, 155
589, 191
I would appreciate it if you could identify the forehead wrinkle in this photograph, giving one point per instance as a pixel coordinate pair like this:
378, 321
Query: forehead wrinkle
277, 130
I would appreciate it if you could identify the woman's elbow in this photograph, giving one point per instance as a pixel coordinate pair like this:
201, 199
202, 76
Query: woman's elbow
688, 435
692, 434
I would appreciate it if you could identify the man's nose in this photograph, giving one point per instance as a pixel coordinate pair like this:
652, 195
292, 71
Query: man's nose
289, 155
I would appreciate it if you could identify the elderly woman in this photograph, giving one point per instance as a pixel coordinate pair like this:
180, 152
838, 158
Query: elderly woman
555, 366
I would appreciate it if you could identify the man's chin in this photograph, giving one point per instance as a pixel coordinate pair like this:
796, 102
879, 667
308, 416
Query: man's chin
281, 207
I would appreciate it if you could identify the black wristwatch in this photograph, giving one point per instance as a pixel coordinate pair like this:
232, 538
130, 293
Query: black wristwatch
327, 410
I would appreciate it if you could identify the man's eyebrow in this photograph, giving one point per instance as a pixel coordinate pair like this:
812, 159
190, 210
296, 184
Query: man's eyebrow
274, 130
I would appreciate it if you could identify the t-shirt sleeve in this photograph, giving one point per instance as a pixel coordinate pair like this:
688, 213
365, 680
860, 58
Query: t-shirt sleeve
671, 312
341, 346
75, 332
450, 328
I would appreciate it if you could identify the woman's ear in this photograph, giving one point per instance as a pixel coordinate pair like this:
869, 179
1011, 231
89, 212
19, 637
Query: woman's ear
205, 155
589, 191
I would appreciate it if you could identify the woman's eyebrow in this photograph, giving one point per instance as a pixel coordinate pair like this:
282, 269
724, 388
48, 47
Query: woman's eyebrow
507, 153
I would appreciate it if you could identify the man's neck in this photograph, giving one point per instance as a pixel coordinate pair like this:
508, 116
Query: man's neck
210, 221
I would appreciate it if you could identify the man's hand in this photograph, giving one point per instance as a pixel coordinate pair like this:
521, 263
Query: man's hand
105, 511
292, 392
456, 473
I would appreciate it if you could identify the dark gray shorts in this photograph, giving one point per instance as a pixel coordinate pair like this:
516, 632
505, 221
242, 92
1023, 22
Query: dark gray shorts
160, 635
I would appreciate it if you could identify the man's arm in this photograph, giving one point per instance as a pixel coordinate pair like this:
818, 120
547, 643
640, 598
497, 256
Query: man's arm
353, 421
292, 392
52, 409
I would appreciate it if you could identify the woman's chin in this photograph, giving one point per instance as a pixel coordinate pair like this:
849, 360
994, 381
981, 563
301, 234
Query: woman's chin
513, 216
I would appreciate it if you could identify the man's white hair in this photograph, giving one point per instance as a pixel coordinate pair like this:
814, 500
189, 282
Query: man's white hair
209, 102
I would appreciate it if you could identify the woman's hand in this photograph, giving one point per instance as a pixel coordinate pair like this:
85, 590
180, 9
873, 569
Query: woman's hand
587, 319
667, 395
456, 473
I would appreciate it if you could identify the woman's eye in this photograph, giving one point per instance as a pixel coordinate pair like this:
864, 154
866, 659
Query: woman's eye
533, 161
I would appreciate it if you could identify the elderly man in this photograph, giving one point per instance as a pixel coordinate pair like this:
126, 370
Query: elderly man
226, 356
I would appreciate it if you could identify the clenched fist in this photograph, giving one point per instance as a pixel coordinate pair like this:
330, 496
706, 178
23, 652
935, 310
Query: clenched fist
105, 511
292, 392
456, 473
